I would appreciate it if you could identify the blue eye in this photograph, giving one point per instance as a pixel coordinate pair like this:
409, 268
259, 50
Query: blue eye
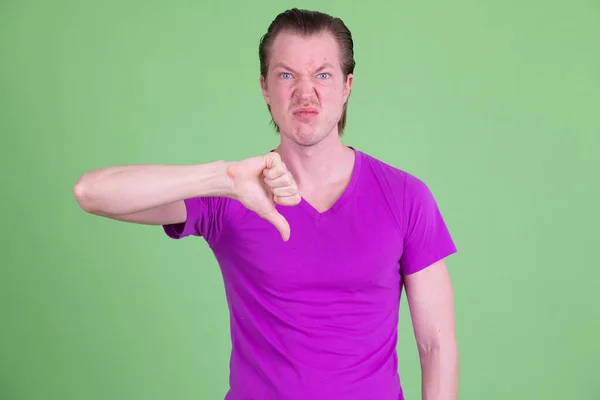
285, 75
324, 75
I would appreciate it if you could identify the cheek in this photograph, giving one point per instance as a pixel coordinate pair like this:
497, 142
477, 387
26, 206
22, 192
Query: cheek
332, 96
279, 96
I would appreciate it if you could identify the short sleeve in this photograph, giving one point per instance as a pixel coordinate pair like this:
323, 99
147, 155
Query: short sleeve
204, 217
426, 236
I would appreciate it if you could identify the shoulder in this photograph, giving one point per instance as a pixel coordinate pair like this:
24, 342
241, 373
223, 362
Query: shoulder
398, 182
407, 196
426, 238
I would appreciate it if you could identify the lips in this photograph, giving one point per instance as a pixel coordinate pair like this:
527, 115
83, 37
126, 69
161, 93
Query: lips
306, 112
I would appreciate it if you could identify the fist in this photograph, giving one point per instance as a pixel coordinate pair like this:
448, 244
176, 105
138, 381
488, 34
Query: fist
260, 183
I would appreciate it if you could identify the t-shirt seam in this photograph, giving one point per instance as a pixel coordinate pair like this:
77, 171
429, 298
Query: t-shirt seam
403, 213
224, 216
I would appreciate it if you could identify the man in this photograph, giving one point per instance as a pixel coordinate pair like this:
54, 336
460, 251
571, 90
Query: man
315, 239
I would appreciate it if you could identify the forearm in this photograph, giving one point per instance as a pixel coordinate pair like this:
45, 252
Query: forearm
134, 188
439, 371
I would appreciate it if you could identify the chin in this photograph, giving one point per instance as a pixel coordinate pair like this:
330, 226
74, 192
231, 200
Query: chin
305, 136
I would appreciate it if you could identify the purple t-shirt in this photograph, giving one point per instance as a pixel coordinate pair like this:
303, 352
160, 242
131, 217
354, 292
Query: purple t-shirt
316, 317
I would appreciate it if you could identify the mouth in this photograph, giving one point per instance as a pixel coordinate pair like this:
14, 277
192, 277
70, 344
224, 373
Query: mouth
306, 112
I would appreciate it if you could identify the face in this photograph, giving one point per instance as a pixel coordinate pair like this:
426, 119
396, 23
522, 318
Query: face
305, 87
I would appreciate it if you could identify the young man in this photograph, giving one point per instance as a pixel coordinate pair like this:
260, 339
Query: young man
315, 239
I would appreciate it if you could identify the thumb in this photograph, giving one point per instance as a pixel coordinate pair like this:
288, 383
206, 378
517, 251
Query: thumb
280, 223
272, 160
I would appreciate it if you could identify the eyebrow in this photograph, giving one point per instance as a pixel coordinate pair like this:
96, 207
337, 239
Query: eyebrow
287, 67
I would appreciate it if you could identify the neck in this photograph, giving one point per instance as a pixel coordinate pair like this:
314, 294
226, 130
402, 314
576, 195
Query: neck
319, 165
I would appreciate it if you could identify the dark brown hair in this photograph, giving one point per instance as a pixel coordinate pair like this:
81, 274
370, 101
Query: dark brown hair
306, 22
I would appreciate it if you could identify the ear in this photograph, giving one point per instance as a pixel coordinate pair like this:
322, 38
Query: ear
348, 86
263, 87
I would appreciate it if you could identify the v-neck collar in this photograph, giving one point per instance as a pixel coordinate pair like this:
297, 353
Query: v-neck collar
346, 194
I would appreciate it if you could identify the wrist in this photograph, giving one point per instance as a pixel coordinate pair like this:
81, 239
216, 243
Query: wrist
212, 180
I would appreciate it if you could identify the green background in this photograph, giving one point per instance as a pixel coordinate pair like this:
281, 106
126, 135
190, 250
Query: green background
495, 104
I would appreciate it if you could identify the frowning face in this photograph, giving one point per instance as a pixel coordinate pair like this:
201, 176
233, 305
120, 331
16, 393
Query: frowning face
305, 86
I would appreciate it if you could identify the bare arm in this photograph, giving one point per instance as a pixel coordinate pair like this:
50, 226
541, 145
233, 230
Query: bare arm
149, 194
431, 302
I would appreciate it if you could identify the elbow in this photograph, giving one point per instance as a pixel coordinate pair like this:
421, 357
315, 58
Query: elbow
437, 344
427, 347
83, 195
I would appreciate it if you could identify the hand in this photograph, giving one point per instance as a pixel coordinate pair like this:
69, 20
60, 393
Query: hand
260, 183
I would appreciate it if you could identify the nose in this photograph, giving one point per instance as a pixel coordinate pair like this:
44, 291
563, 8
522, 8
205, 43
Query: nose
305, 89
